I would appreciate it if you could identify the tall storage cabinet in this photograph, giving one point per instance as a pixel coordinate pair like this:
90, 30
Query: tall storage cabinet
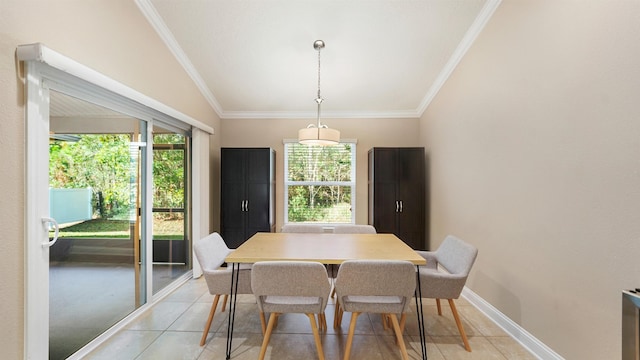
247, 198
396, 185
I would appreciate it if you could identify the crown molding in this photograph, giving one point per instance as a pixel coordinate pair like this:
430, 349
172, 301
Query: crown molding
167, 37
467, 40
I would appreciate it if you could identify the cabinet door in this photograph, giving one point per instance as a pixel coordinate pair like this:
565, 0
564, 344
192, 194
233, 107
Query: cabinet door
232, 214
258, 190
233, 188
384, 192
410, 193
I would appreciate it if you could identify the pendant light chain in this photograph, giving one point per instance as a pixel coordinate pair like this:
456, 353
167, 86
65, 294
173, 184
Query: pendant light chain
320, 98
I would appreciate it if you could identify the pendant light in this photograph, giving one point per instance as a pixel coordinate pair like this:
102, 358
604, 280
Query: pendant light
318, 134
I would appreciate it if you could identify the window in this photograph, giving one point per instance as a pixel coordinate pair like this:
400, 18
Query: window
320, 183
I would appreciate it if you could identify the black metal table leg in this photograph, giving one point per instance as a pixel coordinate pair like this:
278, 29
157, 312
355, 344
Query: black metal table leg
420, 315
235, 273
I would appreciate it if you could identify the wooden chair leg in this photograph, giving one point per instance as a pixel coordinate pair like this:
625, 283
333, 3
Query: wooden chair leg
439, 308
263, 323
323, 325
212, 312
459, 324
352, 330
403, 321
396, 328
224, 301
385, 321
337, 319
320, 323
316, 335
267, 335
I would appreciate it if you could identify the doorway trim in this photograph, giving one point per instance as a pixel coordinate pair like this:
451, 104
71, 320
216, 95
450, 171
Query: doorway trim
45, 69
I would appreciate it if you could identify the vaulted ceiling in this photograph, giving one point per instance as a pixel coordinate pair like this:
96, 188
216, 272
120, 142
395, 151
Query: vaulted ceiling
255, 58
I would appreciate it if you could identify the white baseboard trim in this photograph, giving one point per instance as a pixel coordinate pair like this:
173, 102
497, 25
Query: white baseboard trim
535, 346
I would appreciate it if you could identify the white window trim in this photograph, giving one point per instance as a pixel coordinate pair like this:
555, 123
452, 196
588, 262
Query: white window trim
351, 183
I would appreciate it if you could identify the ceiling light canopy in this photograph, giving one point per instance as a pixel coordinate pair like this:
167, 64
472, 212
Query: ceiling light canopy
318, 134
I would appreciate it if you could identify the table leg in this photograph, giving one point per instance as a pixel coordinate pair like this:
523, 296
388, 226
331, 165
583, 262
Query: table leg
420, 315
235, 273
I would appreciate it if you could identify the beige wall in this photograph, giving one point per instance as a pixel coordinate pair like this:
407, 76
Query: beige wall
110, 36
534, 147
367, 132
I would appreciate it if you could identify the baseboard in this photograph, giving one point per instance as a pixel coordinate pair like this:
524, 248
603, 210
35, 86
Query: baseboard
535, 346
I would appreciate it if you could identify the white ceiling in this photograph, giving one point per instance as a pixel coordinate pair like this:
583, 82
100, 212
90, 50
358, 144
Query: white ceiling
255, 58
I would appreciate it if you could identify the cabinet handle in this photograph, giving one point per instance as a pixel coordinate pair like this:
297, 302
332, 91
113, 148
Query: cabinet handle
246, 205
401, 205
397, 205
242, 206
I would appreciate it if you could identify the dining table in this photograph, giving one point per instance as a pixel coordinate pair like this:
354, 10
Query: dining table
326, 248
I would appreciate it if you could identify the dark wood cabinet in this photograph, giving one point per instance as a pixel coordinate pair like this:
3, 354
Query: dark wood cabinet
247, 193
396, 184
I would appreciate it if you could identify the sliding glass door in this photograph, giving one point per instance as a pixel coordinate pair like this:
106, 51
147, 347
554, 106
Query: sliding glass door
171, 214
97, 269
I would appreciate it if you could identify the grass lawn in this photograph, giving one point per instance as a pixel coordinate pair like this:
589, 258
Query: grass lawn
114, 229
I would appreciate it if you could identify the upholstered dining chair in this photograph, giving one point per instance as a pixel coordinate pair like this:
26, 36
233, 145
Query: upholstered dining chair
446, 273
211, 252
375, 286
290, 287
301, 228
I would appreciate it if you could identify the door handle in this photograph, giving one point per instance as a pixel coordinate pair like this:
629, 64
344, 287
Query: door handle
46, 220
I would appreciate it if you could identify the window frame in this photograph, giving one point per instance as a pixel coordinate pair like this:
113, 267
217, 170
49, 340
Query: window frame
351, 184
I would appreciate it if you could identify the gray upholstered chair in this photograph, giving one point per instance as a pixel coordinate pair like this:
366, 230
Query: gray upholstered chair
301, 228
446, 273
375, 286
290, 287
211, 252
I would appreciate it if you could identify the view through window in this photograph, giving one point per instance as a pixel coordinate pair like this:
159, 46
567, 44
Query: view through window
319, 183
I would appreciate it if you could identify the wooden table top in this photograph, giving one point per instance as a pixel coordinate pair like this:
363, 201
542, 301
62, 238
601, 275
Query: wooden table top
326, 248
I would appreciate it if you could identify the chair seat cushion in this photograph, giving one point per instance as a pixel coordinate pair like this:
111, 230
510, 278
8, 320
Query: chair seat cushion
292, 304
373, 304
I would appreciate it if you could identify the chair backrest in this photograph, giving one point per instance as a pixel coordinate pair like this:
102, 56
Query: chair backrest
291, 279
354, 229
456, 256
211, 251
372, 278
301, 228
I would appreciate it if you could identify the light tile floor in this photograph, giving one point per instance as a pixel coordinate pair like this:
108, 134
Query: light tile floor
173, 327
